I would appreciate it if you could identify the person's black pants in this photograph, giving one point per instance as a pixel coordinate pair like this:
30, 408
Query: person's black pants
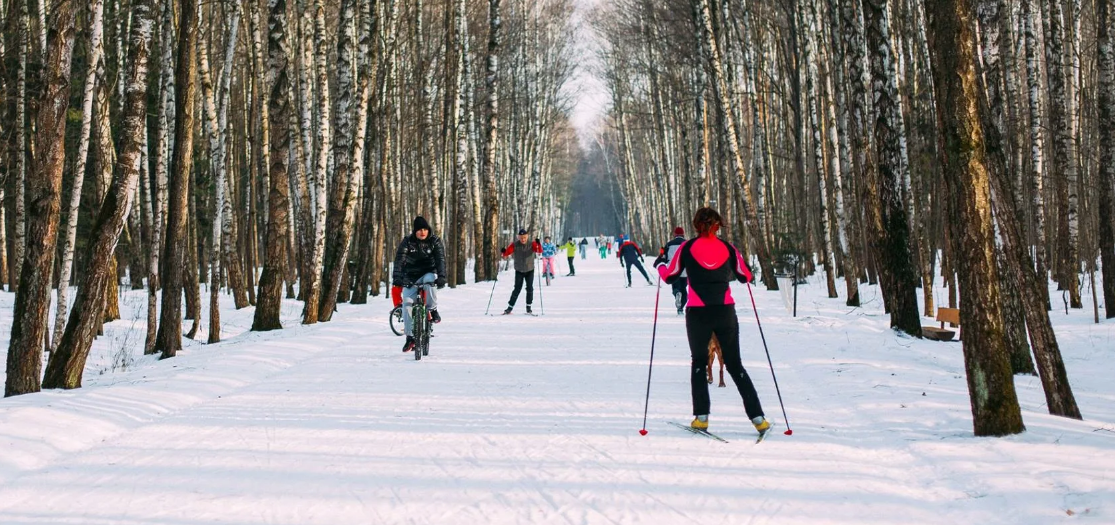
571, 270
520, 278
637, 264
700, 323
681, 287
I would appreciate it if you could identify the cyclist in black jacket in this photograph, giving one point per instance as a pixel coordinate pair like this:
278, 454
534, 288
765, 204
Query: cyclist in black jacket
419, 260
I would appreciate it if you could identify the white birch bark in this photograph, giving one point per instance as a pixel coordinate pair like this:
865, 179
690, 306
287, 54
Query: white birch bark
96, 35
811, 55
312, 279
41, 11
162, 156
723, 95
19, 237
460, 166
1032, 20
491, 198
1063, 169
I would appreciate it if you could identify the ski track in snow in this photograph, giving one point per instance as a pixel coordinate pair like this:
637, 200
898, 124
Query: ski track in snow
534, 420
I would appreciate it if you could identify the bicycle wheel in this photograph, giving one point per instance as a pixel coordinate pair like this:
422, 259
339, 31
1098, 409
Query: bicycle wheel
426, 338
396, 321
420, 323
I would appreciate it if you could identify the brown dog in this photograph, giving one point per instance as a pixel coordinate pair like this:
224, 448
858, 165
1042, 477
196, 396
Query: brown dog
714, 353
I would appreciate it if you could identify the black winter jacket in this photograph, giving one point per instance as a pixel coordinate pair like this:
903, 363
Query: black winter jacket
416, 258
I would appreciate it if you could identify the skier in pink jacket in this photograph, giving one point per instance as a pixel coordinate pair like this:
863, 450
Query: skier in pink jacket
711, 265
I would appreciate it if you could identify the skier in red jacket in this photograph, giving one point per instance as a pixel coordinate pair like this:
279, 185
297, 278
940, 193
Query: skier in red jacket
630, 254
524, 253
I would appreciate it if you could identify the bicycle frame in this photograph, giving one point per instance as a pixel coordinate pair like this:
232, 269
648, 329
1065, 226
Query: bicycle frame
422, 328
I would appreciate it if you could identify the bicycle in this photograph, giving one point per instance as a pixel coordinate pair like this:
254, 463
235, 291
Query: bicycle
397, 323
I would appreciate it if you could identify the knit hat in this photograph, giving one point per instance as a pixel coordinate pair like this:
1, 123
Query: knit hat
421, 224
522, 231
679, 231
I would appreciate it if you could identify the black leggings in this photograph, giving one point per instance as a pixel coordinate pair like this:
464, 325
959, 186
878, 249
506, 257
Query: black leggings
681, 286
639, 266
571, 270
520, 278
700, 323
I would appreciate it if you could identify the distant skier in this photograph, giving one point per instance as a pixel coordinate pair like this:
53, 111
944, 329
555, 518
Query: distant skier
523, 252
712, 264
602, 245
584, 246
630, 255
570, 248
420, 259
665, 256
549, 250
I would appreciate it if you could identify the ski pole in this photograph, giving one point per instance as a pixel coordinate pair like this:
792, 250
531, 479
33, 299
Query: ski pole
653, 335
789, 431
541, 306
495, 280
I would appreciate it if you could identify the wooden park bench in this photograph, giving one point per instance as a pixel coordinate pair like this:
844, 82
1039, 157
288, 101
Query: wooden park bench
944, 315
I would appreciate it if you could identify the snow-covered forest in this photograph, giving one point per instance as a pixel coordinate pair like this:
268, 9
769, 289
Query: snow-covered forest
204, 200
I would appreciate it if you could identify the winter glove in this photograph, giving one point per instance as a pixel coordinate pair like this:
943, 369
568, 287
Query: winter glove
440, 281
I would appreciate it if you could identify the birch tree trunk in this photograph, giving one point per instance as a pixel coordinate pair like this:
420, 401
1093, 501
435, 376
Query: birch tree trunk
1051, 368
162, 153
68, 362
169, 339
1032, 19
222, 210
1105, 58
312, 281
480, 265
990, 14
1063, 168
96, 52
342, 197
811, 56
460, 167
892, 223
44, 193
845, 197
995, 408
19, 193
491, 196
278, 84
231, 256
104, 159
720, 88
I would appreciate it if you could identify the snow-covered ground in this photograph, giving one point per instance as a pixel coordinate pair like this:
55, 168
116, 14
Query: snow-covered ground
531, 420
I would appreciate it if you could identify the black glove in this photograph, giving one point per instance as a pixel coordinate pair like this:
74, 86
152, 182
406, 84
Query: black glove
440, 282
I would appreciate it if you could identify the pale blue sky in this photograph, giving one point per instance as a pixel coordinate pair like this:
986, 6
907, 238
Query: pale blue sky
589, 94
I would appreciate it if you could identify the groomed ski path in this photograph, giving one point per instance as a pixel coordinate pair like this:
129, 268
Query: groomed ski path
534, 420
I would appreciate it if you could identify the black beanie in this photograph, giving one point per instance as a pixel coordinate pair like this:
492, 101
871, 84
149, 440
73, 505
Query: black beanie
421, 224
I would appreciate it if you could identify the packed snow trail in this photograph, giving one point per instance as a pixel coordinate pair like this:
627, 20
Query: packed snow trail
534, 420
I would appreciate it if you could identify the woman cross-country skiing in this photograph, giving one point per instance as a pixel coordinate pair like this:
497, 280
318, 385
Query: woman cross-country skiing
549, 251
570, 248
712, 264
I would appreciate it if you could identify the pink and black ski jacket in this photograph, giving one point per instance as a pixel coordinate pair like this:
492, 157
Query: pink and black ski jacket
711, 264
